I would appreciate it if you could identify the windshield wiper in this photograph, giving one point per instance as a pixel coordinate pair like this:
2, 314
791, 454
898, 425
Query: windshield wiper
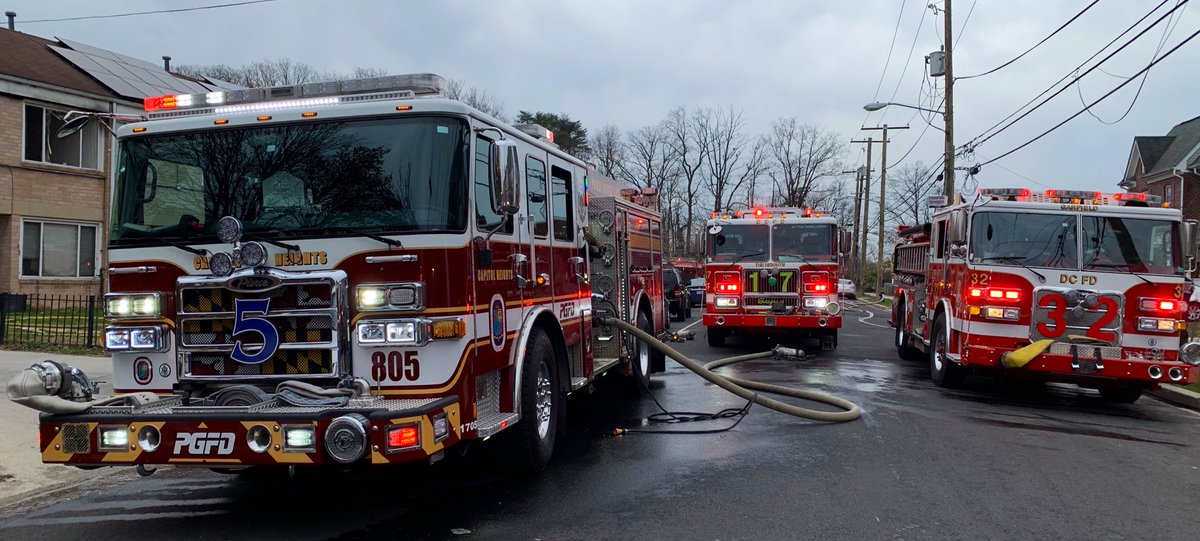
284, 245
380, 238
1016, 260
1126, 266
739, 258
198, 251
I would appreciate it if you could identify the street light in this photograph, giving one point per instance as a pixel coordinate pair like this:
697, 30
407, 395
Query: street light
948, 174
875, 106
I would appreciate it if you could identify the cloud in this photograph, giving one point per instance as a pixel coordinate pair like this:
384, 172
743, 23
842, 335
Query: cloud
628, 62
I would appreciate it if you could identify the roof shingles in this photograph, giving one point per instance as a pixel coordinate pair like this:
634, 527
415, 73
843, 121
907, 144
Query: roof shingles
29, 57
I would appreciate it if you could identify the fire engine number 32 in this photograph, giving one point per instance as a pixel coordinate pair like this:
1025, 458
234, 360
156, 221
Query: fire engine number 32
395, 366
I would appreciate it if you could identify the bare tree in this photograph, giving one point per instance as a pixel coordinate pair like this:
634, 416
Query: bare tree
650, 160
733, 157
457, 89
689, 146
909, 190
608, 150
803, 154
278, 72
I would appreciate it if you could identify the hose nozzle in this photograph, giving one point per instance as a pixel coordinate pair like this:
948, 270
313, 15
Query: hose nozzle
790, 354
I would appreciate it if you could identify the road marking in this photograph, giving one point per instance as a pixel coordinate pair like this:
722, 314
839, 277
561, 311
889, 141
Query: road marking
870, 315
693, 324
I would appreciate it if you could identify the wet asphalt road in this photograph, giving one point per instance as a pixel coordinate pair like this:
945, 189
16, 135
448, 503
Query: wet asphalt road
995, 460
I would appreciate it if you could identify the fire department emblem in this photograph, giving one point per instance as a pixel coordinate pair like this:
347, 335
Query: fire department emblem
498, 326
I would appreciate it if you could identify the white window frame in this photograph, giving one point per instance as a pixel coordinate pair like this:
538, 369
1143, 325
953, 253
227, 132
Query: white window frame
99, 150
42, 255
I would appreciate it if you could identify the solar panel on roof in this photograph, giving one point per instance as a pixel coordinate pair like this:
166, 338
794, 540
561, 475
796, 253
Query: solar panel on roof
126, 75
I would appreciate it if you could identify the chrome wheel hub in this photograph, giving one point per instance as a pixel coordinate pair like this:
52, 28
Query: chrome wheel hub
545, 401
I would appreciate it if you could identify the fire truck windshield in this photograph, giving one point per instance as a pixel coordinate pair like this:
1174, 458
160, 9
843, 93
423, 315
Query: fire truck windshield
1131, 244
802, 242
1025, 238
738, 241
393, 175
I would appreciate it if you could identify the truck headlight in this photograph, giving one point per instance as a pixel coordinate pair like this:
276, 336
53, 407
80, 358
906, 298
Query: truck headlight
1190, 353
114, 438
402, 333
116, 339
1156, 324
400, 296
122, 305
999, 312
142, 338
408, 332
726, 302
815, 303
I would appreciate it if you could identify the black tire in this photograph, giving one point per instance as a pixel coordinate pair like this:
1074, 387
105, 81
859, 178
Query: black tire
531, 443
716, 337
904, 347
1121, 394
945, 372
642, 359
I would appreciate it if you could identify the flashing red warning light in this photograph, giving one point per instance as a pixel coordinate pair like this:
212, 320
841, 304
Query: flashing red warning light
808, 213
728, 282
403, 437
758, 213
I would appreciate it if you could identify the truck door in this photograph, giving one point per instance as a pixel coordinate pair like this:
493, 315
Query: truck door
499, 302
566, 241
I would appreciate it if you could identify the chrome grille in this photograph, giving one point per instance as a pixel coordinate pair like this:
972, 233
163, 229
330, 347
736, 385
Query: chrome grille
1078, 316
767, 302
306, 311
1085, 351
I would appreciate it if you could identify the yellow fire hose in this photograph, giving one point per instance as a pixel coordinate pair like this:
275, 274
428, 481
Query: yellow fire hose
745, 388
1018, 358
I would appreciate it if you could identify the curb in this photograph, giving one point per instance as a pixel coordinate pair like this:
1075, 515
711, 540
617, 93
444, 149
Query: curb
1178, 396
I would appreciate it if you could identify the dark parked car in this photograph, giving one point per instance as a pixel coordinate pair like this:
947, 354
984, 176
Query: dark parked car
695, 291
676, 297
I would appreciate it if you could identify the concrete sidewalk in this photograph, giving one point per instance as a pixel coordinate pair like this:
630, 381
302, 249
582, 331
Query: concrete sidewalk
21, 468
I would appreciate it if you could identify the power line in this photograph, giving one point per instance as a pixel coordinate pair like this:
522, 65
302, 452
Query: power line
1167, 31
1098, 100
1035, 46
911, 48
887, 63
176, 10
992, 131
964, 25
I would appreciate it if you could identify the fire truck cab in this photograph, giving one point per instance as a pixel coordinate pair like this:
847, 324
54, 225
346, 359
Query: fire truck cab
1070, 286
355, 273
773, 271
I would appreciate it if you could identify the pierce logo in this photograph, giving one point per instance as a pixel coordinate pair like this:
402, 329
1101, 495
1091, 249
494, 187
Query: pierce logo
204, 443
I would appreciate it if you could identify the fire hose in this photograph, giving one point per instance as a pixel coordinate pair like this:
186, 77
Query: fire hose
745, 388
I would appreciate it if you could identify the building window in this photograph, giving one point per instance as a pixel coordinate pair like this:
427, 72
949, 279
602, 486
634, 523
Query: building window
58, 250
1169, 195
42, 144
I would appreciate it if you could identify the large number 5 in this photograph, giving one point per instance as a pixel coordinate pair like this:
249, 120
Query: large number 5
259, 325
1058, 323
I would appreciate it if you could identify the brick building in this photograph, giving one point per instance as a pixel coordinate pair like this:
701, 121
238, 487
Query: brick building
1168, 166
55, 191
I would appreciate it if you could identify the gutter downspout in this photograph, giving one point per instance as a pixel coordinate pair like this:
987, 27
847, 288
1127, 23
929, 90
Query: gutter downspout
1182, 200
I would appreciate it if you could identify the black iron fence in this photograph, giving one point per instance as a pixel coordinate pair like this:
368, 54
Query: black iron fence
51, 320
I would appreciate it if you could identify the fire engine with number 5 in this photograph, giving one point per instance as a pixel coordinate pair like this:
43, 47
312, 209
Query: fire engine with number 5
356, 272
773, 271
1071, 286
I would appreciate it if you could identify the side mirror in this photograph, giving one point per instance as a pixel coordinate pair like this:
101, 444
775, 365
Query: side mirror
1190, 232
844, 245
957, 230
505, 177
71, 127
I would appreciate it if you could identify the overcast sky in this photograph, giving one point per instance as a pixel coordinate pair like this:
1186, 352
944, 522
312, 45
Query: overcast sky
629, 62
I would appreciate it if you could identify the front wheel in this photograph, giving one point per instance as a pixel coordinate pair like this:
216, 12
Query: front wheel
1121, 394
532, 442
946, 373
716, 337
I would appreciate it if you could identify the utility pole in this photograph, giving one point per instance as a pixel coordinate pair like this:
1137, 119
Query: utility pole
859, 176
882, 204
948, 172
866, 211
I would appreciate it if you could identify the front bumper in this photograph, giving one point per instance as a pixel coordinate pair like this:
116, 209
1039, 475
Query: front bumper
770, 322
217, 436
1068, 368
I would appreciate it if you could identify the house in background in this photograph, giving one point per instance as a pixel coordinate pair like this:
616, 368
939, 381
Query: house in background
55, 192
1168, 166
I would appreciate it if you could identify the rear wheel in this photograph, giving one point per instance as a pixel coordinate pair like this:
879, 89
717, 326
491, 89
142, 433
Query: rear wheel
716, 337
904, 346
946, 373
1121, 394
642, 356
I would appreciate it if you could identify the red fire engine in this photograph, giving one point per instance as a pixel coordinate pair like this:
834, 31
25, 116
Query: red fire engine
773, 271
1071, 286
355, 272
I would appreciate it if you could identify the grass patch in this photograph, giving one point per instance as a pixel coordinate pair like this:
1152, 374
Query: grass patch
52, 330
55, 348
1195, 387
